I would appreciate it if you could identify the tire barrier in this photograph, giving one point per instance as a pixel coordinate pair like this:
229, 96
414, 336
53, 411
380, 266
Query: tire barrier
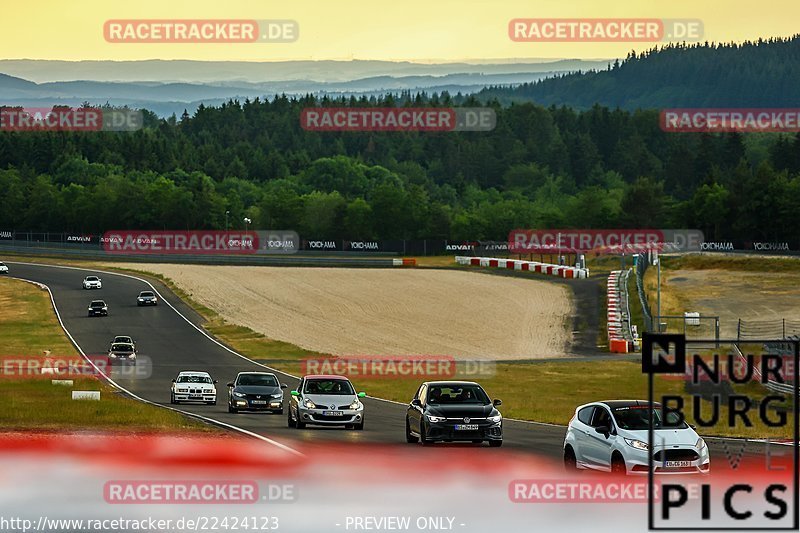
621, 338
560, 271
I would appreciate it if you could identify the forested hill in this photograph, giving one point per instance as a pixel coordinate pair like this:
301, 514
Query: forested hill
764, 73
540, 167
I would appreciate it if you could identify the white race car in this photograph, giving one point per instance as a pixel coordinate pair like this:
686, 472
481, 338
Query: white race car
3, 268
92, 282
613, 436
194, 387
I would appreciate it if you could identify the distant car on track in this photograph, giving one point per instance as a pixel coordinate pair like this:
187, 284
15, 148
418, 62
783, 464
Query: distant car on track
613, 436
326, 400
453, 411
122, 352
92, 282
98, 308
125, 339
146, 298
255, 391
3, 268
192, 386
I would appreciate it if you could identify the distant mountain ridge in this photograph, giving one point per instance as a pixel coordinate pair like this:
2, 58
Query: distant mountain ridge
152, 85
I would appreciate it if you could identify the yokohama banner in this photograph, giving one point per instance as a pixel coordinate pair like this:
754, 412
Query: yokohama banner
612, 241
200, 242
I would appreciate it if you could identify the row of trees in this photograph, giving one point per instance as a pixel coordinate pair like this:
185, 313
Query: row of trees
341, 197
540, 167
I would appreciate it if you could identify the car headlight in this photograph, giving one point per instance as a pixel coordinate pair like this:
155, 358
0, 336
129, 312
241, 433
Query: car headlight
276, 396
432, 418
309, 404
495, 419
639, 445
700, 444
355, 406
239, 394
183, 390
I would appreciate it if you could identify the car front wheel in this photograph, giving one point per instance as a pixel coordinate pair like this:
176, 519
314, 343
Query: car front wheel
411, 439
570, 462
423, 439
618, 466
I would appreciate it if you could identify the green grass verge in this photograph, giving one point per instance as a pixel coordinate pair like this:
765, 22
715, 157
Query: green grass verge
28, 327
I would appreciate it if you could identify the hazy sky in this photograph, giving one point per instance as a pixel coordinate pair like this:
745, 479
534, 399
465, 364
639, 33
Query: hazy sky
415, 30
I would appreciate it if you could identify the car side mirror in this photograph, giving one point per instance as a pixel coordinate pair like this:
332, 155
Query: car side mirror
215, 381
173, 381
604, 430
284, 386
416, 403
295, 393
497, 402
362, 394
230, 384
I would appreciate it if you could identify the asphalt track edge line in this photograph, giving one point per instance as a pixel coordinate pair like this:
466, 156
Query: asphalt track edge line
206, 334
138, 398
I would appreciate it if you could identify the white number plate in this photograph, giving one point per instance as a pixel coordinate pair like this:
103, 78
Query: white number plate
677, 464
258, 402
332, 413
466, 427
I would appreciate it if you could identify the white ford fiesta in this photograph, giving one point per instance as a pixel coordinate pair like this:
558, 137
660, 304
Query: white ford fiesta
613, 436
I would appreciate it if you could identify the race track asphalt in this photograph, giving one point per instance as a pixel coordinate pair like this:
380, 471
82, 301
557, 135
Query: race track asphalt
169, 335
174, 344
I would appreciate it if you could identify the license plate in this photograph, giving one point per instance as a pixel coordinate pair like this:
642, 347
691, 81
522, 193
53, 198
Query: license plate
195, 396
332, 413
466, 427
259, 402
677, 464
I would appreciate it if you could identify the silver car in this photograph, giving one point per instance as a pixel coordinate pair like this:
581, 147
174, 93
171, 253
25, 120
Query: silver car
326, 400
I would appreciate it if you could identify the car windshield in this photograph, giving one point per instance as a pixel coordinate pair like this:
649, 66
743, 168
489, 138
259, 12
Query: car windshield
636, 418
194, 379
458, 394
146, 294
121, 348
123, 339
98, 304
91, 278
257, 380
329, 386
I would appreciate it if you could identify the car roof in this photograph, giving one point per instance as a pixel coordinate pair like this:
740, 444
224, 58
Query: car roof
257, 373
193, 373
325, 376
616, 404
447, 383
98, 302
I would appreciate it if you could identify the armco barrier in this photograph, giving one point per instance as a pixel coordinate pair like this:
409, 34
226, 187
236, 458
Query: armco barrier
561, 271
620, 336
